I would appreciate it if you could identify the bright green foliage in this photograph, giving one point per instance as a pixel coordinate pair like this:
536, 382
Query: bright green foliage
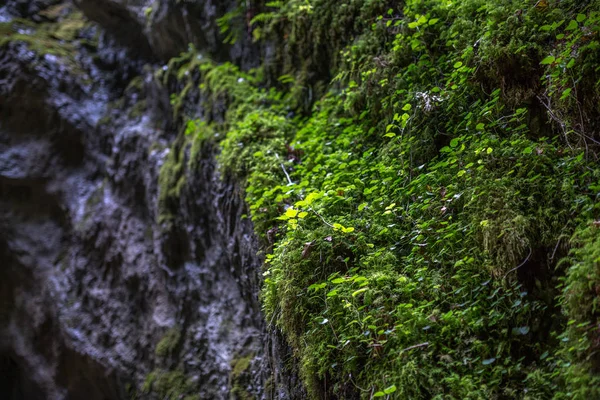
413, 220
255, 142
580, 300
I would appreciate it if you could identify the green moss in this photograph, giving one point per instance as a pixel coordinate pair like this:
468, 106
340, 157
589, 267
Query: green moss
170, 385
413, 217
56, 11
69, 28
239, 377
105, 120
257, 140
168, 343
150, 378
240, 365
138, 109
580, 302
135, 85
56, 37
171, 181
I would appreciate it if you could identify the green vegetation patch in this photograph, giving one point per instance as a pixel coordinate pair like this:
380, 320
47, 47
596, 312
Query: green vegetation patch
168, 343
414, 200
239, 377
170, 385
55, 37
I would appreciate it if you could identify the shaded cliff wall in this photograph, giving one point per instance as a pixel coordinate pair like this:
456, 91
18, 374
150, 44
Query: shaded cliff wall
101, 298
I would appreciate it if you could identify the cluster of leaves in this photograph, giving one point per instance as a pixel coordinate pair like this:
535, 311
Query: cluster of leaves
581, 294
572, 95
413, 220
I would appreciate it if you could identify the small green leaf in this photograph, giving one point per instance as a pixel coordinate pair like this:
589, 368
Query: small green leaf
433, 21
362, 206
291, 213
359, 291
311, 197
581, 17
489, 150
458, 64
317, 286
407, 107
379, 394
566, 93
528, 150
390, 389
571, 63
572, 25
480, 126
548, 60
454, 142
303, 214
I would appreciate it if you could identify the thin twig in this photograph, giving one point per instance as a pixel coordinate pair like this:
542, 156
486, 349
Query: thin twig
356, 386
286, 174
557, 120
520, 265
284, 171
555, 248
322, 219
416, 346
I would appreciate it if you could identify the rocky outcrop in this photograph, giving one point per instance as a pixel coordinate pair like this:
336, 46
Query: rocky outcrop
163, 28
101, 299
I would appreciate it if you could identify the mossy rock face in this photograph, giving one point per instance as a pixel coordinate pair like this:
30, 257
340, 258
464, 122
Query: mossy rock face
240, 378
55, 37
170, 385
171, 181
168, 343
414, 214
580, 297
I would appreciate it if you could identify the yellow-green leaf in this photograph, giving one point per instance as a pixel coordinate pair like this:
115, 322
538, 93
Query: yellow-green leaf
291, 213
548, 60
